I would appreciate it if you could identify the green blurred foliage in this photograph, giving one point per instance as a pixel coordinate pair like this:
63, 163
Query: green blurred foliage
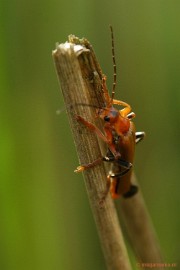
46, 221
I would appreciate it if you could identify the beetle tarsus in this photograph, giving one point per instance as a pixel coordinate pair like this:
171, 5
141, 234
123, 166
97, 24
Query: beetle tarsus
139, 136
88, 166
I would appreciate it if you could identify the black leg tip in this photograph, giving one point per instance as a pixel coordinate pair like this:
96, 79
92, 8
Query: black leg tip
133, 190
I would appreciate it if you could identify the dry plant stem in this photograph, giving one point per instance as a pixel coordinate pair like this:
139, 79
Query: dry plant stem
140, 229
80, 78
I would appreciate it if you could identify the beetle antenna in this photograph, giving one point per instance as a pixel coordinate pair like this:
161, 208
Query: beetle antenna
114, 64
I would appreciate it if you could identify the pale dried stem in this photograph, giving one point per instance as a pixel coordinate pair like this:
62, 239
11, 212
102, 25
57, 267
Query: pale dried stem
140, 229
80, 79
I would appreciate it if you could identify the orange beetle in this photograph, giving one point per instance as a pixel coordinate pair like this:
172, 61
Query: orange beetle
121, 138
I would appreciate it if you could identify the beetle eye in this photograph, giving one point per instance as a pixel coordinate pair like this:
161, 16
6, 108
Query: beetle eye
106, 118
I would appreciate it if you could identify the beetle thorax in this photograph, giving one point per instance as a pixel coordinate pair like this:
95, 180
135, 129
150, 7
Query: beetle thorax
118, 123
122, 125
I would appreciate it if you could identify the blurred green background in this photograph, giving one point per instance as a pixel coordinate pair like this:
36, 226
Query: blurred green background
46, 221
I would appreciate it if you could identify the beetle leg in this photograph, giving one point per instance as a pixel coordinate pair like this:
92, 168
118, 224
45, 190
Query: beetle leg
125, 164
124, 112
107, 158
114, 188
107, 139
139, 136
92, 128
111, 144
88, 166
131, 115
116, 178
